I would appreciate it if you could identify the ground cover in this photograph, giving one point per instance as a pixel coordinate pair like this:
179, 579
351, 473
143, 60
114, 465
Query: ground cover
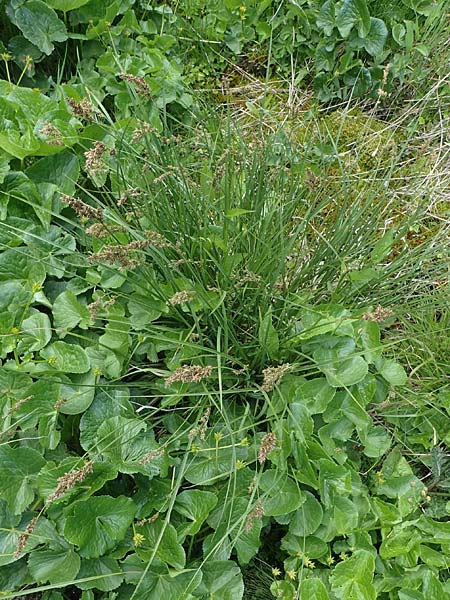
223, 302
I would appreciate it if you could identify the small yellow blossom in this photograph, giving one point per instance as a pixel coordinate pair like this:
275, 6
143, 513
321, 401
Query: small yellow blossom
240, 464
218, 436
276, 572
138, 539
343, 556
291, 574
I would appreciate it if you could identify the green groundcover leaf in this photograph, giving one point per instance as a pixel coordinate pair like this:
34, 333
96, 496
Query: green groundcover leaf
105, 572
314, 589
196, 506
284, 494
307, 517
40, 25
68, 312
222, 580
98, 523
156, 582
352, 578
376, 38
125, 442
54, 566
68, 358
18, 470
162, 537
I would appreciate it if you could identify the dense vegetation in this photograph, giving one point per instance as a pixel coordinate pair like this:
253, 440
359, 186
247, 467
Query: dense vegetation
224, 300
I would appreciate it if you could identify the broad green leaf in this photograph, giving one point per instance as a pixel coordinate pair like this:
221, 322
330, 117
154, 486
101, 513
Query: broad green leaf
352, 579
17, 265
307, 517
106, 571
222, 580
433, 558
399, 541
392, 371
35, 333
347, 16
62, 169
267, 334
283, 589
4, 170
68, 312
98, 523
161, 537
196, 506
66, 5
40, 25
311, 546
316, 394
326, 19
68, 358
333, 479
128, 444
364, 24
108, 403
376, 442
77, 393
370, 339
144, 310
18, 471
345, 515
374, 44
53, 566
208, 465
284, 494
42, 396
314, 589
156, 582
234, 527
341, 372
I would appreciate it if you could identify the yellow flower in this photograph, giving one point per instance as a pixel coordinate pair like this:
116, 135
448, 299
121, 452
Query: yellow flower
218, 436
276, 572
291, 574
138, 538
240, 464
343, 555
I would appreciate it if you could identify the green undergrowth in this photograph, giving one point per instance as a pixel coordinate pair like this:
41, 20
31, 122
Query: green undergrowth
215, 355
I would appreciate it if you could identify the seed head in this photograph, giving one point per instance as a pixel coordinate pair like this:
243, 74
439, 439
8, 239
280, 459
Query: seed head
182, 297
69, 480
379, 315
273, 375
268, 443
141, 86
23, 538
200, 430
189, 374
94, 159
83, 109
256, 514
52, 132
83, 210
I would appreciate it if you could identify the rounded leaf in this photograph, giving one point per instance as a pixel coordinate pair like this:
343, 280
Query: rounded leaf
67, 358
54, 566
98, 523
